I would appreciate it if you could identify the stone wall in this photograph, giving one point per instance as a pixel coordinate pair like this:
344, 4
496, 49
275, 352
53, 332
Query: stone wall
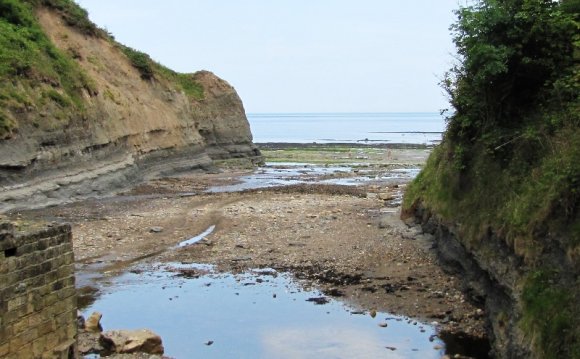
37, 293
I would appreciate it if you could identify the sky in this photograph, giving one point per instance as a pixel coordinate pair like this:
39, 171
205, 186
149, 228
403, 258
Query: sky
298, 55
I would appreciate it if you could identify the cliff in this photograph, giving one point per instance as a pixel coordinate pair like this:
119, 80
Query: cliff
501, 194
82, 115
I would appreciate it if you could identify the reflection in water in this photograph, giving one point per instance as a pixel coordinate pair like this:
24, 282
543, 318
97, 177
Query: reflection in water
285, 174
325, 342
263, 314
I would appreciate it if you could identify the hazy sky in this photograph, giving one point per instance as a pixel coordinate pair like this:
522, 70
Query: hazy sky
298, 55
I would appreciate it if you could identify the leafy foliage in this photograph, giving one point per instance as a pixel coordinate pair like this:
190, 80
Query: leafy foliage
512, 53
510, 159
141, 61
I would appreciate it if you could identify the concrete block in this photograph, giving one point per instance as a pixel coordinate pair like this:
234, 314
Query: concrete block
5, 334
16, 302
67, 292
25, 249
37, 294
4, 349
46, 327
39, 347
20, 326
50, 299
52, 340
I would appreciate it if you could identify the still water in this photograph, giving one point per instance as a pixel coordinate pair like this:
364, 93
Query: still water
291, 173
259, 314
416, 128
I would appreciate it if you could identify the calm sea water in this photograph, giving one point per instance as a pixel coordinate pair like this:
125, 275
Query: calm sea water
419, 127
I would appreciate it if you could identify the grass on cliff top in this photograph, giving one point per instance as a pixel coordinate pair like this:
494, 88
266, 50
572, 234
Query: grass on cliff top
34, 72
74, 16
149, 69
77, 17
29, 59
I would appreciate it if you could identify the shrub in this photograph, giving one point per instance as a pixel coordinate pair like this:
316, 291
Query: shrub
141, 61
74, 15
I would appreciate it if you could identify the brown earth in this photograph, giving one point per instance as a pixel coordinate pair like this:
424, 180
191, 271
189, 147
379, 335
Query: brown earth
130, 129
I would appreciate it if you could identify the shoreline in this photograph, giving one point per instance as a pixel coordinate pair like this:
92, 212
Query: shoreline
289, 145
322, 233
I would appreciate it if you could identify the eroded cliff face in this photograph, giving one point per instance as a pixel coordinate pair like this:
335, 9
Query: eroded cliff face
496, 275
129, 128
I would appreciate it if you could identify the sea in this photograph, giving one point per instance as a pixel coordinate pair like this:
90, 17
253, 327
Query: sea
364, 128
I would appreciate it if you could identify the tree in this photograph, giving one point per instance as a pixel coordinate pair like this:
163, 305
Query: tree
513, 54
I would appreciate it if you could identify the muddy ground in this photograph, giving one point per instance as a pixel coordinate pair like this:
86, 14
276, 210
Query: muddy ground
347, 241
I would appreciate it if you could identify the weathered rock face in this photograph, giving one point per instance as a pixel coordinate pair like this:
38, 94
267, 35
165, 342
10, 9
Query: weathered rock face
131, 341
130, 129
494, 275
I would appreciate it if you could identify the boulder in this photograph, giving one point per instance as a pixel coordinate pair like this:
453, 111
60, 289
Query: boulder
131, 341
89, 343
93, 323
156, 229
386, 196
385, 221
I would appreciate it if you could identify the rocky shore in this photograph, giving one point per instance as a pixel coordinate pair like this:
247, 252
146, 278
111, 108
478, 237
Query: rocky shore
347, 241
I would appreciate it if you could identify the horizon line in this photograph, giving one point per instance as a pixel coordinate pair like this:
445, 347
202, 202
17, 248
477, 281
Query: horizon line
337, 112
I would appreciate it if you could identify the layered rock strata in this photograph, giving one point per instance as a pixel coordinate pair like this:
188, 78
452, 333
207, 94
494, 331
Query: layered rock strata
494, 276
129, 129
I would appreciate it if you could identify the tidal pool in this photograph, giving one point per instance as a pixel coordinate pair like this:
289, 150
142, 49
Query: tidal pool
291, 173
259, 314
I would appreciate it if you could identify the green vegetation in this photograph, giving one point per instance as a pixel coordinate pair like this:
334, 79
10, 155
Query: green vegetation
188, 85
141, 61
345, 155
186, 81
74, 16
29, 59
549, 312
510, 159
149, 68
35, 73
7, 126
